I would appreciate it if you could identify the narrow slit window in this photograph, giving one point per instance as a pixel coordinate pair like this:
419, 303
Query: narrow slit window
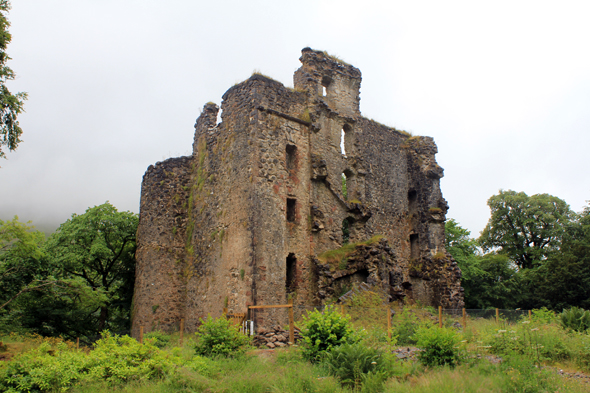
414, 247
326, 80
291, 208
412, 199
345, 139
346, 230
291, 273
291, 152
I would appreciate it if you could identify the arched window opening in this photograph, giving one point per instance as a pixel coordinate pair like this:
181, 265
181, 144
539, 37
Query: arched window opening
291, 274
344, 187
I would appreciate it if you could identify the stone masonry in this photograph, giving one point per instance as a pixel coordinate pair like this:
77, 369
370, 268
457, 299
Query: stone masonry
252, 216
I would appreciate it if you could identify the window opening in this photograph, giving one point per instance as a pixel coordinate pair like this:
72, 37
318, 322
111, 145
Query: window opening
412, 199
344, 187
291, 209
291, 151
346, 224
326, 80
291, 273
343, 139
414, 247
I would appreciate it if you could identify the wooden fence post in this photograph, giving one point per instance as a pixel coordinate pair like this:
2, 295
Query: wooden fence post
389, 323
497, 315
141, 334
77, 343
439, 316
342, 309
530, 314
464, 319
291, 323
181, 330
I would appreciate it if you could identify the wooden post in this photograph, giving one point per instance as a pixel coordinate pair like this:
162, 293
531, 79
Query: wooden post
141, 334
78, 343
439, 316
497, 315
291, 323
530, 314
224, 311
464, 319
181, 330
342, 309
388, 323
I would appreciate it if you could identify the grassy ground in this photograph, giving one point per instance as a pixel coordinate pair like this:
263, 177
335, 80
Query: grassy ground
526, 356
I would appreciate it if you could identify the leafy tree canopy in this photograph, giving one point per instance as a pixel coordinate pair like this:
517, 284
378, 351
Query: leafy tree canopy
525, 228
98, 247
20, 250
10, 104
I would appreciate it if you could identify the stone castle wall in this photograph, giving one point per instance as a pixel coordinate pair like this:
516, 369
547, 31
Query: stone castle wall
246, 219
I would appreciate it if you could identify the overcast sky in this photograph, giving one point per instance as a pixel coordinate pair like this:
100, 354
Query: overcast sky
116, 85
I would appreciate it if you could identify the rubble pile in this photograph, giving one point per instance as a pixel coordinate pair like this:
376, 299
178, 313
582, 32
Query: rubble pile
274, 337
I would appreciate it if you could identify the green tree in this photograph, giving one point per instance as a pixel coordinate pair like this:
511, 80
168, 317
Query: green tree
525, 229
464, 250
20, 253
499, 285
98, 247
489, 280
11, 105
563, 280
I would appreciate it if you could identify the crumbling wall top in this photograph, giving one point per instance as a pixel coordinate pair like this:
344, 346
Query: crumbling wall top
331, 80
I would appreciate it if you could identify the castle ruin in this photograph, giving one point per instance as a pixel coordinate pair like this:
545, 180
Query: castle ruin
288, 176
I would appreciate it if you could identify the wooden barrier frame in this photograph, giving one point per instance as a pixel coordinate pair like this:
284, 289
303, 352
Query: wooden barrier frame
291, 319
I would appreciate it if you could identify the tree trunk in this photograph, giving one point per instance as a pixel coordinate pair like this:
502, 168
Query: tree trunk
102, 321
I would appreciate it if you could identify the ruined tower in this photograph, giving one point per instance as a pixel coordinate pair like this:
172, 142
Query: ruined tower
288, 175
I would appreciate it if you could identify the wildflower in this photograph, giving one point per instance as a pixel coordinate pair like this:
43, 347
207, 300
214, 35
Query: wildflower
501, 331
526, 321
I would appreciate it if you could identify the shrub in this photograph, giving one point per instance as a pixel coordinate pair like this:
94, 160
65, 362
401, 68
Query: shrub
220, 337
43, 369
324, 330
543, 315
158, 338
576, 319
118, 359
114, 359
405, 325
353, 363
439, 346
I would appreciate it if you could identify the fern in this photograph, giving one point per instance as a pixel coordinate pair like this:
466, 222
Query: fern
576, 319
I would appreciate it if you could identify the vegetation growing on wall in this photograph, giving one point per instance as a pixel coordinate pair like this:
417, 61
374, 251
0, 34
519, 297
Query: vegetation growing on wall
335, 257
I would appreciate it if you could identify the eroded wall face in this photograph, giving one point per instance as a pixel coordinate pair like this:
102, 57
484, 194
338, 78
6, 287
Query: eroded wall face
286, 176
158, 301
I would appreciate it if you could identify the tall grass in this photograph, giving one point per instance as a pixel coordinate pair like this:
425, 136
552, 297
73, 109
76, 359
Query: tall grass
500, 357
